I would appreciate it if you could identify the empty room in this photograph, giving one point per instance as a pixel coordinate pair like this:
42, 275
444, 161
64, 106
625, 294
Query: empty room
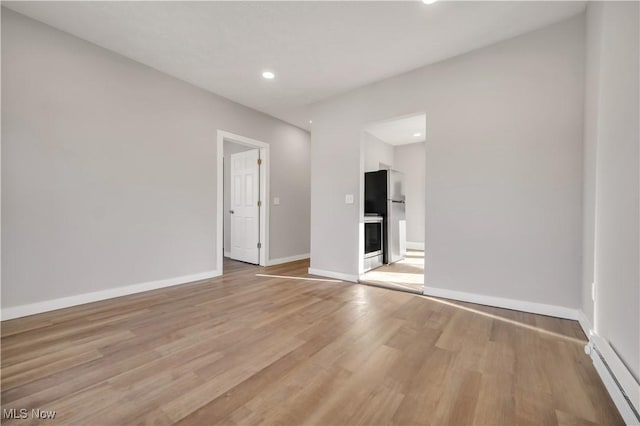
320, 212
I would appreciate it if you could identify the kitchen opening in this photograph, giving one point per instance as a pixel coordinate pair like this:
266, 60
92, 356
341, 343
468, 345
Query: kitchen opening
393, 218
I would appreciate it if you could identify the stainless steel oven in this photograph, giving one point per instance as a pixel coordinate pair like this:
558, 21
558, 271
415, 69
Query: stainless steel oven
373, 242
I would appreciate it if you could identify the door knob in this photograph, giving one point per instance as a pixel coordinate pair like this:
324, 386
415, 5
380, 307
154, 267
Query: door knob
231, 211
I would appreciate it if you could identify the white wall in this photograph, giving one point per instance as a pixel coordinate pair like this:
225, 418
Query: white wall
410, 159
228, 149
109, 169
376, 151
612, 191
503, 167
592, 60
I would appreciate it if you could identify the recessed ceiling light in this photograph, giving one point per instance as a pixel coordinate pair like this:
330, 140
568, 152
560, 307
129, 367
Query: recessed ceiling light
417, 134
429, 1
268, 75
310, 121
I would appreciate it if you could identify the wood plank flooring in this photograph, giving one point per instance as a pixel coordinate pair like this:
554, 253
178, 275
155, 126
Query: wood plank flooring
404, 275
245, 349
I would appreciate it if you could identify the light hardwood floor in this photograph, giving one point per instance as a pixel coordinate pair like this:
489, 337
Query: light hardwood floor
246, 349
404, 275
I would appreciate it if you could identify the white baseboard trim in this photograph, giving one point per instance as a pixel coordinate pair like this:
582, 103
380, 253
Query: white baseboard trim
501, 302
621, 385
282, 260
411, 245
227, 254
618, 380
585, 324
336, 275
80, 299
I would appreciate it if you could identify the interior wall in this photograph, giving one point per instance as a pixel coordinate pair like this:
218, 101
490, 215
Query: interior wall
109, 169
592, 61
228, 149
409, 159
503, 167
612, 187
376, 151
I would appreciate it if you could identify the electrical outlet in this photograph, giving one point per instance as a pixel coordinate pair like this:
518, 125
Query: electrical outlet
276, 201
348, 199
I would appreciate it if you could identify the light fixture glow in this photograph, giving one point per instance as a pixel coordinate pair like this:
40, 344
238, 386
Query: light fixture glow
417, 134
268, 75
429, 1
310, 121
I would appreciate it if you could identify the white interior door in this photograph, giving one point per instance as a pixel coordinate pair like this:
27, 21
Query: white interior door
244, 208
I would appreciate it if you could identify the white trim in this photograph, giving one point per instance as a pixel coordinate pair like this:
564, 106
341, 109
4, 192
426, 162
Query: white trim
264, 193
501, 302
332, 274
219, 200
227, 254
282, 260
585, 324
412, 245
80, 299
617, 378
612, 372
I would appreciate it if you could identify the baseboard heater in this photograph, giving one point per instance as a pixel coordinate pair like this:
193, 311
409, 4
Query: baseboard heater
620, 383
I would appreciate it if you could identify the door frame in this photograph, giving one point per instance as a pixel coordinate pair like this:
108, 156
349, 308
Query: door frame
264, 194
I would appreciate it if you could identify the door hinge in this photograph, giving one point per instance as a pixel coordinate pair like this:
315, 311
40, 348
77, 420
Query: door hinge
259, 161
259, 245
259, 203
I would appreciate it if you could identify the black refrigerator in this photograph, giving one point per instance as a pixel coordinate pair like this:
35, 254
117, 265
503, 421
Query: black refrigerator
384, 195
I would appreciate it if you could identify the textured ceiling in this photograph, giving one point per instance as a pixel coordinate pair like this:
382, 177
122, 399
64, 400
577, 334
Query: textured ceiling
316, 49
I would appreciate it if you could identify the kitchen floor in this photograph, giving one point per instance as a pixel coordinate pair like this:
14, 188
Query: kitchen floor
404, 275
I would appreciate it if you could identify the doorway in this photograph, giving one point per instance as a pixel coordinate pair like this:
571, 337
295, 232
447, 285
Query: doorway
243, 191
393, 166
